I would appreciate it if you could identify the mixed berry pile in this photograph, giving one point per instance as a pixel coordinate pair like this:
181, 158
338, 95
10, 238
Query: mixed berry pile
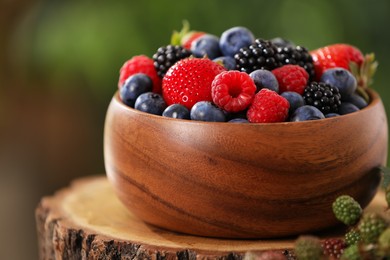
239, 78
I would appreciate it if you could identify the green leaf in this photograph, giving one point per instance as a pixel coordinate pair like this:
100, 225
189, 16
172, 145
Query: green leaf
178, 36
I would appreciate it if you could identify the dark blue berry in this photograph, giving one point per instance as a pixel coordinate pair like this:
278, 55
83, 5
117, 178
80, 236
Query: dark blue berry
134, 86
356, 100
264, 79
177, 111
151, 103
207, 111
228, 62
233, 39
331, 115
305, 113
347, 108
294, 99
238, 120
206, 45
281, 42
341, 79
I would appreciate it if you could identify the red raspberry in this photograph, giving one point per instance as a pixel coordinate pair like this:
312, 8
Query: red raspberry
268, 107
291, 78
140, 64
232, 90
189, 81
333, 247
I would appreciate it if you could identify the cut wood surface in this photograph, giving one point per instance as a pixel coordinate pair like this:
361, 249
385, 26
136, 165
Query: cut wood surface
87, 221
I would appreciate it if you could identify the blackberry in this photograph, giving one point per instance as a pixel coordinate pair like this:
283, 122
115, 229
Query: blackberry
168, 55
323, 96
296, 56
333, 247
347, 210
352, 237
370, 227
308, 248
259, 55
352, 253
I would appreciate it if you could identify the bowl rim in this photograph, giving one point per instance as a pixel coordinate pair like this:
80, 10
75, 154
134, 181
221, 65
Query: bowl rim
375, 99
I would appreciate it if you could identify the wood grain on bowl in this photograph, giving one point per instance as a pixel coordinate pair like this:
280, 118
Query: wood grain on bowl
242, 180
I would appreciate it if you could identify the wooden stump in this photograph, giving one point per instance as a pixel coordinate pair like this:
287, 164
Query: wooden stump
87, 221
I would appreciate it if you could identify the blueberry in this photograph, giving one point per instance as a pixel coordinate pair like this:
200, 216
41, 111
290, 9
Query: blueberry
233, 39
177, 111
331, 115
294, 99
264, 79
238, 120
340, 78
207, 111
305, 113
151, 103
206, 45
228, 62
134, 86
357, 100
347, 108
281, 42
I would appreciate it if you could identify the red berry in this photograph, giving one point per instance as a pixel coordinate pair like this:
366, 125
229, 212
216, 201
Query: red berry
232, 90
268, 107
336, 55
291, 78
333, 247
140, 64
189, 81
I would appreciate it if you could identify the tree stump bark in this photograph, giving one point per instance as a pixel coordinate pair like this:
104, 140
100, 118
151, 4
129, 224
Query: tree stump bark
87, 221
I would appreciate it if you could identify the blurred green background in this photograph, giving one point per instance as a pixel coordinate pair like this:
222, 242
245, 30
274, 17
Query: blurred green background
59, 64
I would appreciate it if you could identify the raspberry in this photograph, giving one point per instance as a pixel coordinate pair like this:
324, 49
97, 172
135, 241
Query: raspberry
267, 107
232, 90
333, 247
308, 248
347, 210
370, 227
189, 81
352, 237
140, 64
291, 78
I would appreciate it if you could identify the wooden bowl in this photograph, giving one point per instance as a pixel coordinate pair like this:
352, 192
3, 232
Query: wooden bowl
242, 180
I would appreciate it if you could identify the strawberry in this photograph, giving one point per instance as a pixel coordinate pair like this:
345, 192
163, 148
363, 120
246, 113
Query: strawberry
349, 57
233, 90
336, 55
291, 78
185, 37
189, 81
140, 64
